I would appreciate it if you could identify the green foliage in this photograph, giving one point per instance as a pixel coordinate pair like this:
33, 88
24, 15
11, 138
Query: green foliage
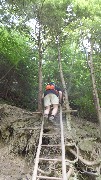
18, 69
13, 46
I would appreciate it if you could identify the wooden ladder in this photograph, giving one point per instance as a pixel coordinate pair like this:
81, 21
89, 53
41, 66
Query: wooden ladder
35, 175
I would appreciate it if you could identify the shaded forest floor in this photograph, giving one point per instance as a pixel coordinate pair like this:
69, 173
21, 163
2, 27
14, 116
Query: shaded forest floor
18, 142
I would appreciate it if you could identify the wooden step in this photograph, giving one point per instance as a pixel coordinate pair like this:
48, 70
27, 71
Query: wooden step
52, 178
50, 145
47, 159
46, 134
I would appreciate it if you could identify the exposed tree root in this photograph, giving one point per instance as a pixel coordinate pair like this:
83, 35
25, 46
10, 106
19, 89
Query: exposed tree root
77, 155
70, 172
44, 172
84, 161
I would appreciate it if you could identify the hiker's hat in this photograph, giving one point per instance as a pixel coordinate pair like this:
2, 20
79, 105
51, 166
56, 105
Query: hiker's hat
52, 83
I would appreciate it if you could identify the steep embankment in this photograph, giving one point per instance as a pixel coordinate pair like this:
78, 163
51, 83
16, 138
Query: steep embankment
19, 131
18, 141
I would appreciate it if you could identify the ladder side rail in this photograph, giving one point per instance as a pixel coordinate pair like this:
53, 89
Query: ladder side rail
63, 147
34, 176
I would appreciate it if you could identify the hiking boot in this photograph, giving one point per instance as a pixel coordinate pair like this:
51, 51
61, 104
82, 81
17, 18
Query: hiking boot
51, 118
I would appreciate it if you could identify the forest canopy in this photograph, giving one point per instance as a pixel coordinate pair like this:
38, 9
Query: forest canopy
29, 31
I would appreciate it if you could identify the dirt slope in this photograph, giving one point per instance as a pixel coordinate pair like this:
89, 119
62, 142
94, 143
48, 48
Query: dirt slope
19, 139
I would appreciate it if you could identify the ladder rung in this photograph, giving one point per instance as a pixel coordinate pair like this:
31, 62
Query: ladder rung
56, 159
52, 178
56, 124
50, 145
44, 134
28, 128
47, 159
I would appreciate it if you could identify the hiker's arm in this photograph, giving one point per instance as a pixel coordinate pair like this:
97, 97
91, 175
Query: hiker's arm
43, 96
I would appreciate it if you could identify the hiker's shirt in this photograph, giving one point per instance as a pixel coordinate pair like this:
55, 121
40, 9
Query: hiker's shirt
53, 91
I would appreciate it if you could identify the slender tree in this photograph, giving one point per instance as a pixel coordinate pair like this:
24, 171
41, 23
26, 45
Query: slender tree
95, 92
68, 116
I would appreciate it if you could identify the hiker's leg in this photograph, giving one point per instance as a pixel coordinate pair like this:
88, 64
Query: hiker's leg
55, 109
55, 103
47, 104
47, 110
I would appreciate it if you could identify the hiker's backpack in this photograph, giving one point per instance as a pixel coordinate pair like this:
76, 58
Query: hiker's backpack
50, 87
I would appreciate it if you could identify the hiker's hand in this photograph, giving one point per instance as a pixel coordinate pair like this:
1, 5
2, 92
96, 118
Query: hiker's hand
61, 102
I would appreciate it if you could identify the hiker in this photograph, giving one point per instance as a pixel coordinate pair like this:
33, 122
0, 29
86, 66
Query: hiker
52, 97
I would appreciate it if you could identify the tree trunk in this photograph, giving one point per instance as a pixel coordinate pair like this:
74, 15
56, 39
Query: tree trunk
68, 116
95, 93
40, 73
